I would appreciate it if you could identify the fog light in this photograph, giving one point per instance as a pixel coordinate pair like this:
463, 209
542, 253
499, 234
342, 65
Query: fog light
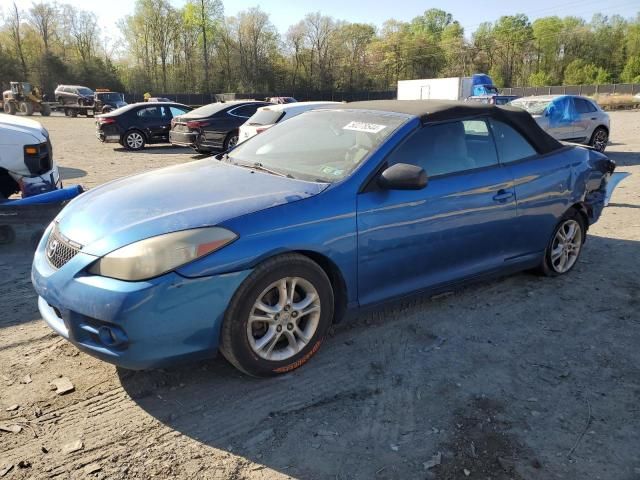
112, 337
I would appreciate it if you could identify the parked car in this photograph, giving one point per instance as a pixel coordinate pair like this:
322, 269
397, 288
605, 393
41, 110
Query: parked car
74, 95
138, 124
268, 116
27, 166
281, 100
214, 126
571, 118
493, 99
336, 209
106, 100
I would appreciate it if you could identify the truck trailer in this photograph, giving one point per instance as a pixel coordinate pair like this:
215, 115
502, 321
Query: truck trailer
453, 88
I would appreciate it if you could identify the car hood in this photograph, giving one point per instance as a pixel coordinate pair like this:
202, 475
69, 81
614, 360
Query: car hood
17, 125
196, 194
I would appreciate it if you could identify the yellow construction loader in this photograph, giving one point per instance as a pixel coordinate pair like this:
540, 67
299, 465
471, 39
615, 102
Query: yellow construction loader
25, 99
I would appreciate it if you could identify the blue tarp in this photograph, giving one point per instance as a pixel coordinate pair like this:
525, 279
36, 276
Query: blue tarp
561, 111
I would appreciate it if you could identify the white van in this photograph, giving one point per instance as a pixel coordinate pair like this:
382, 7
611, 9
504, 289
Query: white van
268, 116
26, 158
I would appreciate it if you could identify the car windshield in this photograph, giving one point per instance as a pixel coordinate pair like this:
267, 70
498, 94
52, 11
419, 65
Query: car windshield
319, 146
533, 106
265, 116
85, 91
111, 96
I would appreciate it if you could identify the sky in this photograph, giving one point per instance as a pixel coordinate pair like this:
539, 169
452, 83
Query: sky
283, 13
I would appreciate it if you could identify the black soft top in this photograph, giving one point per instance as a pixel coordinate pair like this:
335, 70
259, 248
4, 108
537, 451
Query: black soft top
443, 110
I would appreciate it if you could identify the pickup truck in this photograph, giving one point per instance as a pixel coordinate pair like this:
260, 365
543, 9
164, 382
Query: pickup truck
26, 158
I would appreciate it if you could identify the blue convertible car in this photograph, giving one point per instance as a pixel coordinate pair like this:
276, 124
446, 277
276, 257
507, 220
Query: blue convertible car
256, 253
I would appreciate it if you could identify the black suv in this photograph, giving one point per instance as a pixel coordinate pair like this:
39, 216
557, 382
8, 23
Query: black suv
106, 101
74, 95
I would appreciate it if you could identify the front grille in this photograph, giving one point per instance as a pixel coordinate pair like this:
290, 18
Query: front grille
59, 249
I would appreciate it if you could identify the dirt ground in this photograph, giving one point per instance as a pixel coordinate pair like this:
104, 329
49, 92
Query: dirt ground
520, 378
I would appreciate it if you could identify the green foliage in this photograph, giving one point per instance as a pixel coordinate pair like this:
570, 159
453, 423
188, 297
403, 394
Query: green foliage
580, 72
631, 72
540, 79
191, 46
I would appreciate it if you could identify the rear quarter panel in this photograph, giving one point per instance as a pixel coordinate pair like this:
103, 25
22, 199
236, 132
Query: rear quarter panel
548, 186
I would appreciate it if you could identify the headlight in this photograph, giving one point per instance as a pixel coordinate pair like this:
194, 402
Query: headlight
157, 255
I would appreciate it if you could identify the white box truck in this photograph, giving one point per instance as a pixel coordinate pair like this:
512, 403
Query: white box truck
453, 88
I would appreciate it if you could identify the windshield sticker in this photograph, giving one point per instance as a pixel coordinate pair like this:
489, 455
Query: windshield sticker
332, 171
364, 127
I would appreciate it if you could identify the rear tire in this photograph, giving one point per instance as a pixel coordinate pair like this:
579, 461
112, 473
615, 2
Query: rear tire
565, 246
599, 139
279, 316
231, 140
26, 108
134, 140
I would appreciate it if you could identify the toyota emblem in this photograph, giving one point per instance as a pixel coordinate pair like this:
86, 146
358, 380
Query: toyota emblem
51, 250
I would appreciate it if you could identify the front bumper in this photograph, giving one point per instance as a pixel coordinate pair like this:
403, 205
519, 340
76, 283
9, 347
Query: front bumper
184, 139
135, 325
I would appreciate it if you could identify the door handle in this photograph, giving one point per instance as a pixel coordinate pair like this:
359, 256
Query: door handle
594, 118
503, 196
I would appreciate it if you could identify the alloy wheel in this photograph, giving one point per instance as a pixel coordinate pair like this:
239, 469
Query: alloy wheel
566, 246
135, 141
284, 319
600, 140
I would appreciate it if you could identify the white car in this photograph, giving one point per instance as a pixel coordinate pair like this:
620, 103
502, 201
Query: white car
571, 118
26, 158
268, 116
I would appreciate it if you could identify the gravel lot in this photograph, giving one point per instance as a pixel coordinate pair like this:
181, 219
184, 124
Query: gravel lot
520, 378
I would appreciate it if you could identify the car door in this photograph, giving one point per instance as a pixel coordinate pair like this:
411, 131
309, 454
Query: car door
154, 123
586, 117
561, 116
541, 183
457, 227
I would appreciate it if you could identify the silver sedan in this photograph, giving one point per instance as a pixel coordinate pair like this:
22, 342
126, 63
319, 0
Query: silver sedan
571, 118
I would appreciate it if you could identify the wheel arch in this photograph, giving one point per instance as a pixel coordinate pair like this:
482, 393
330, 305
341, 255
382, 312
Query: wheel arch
584, 211
135, 129
336, 278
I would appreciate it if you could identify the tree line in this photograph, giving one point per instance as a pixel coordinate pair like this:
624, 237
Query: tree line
196, 48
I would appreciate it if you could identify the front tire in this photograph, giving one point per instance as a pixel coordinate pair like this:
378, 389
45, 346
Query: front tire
599, 139
9, 108
278, 317
565, 246
134, 140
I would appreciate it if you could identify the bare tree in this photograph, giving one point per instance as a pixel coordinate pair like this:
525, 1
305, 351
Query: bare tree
43, 17
15, 35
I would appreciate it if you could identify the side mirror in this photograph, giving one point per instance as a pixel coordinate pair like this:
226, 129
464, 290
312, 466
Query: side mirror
403, 176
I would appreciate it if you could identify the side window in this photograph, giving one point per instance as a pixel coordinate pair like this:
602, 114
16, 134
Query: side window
510, 144
584, 106
448, 148
176, 112
149, 113
245, 111
165, 113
